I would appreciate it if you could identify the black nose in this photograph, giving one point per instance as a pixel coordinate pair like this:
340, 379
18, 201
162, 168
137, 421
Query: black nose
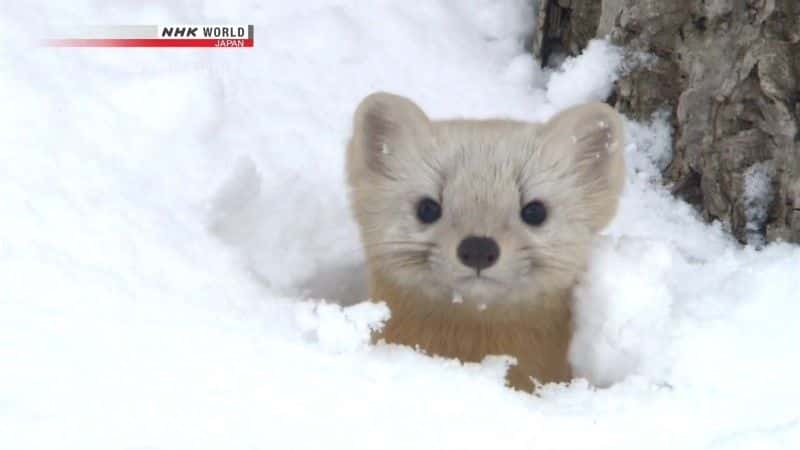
478, 252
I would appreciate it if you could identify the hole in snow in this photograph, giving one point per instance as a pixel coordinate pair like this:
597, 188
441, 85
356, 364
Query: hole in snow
291, 236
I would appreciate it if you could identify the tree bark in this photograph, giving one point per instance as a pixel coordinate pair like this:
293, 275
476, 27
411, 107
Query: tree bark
729, 73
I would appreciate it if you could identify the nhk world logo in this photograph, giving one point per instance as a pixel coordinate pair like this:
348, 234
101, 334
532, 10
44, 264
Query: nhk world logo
218, 36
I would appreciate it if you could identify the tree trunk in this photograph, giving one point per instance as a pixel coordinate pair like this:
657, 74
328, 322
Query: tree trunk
729, 72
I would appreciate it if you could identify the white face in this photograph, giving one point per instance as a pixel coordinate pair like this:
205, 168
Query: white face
481, 211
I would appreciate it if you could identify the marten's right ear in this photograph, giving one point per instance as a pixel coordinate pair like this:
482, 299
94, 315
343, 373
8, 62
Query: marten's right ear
385, 128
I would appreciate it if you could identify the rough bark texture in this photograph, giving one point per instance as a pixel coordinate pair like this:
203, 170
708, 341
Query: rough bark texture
729, 71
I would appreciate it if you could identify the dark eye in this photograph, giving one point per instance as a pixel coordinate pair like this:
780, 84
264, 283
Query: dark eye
534, 213
428, 211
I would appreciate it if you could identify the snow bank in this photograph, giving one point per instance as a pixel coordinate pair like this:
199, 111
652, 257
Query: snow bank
165, 216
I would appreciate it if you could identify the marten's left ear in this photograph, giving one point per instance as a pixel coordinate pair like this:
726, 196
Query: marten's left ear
386, 128
584, 145
592, 137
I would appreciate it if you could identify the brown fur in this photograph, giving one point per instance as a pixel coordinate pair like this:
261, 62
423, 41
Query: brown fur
537, 337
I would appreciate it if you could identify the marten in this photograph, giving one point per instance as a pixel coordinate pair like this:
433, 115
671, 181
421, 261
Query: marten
476, 231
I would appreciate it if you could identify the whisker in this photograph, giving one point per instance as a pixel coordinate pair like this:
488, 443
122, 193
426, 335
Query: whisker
402, 258
409, 243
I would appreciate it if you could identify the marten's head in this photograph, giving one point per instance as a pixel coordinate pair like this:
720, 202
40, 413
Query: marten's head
482, 210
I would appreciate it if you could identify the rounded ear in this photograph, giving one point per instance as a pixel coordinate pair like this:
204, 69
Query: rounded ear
593, 135
592, 138
385, 127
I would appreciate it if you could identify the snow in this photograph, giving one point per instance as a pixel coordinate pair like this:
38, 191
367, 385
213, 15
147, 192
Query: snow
578, 79
170, 216
757, 196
